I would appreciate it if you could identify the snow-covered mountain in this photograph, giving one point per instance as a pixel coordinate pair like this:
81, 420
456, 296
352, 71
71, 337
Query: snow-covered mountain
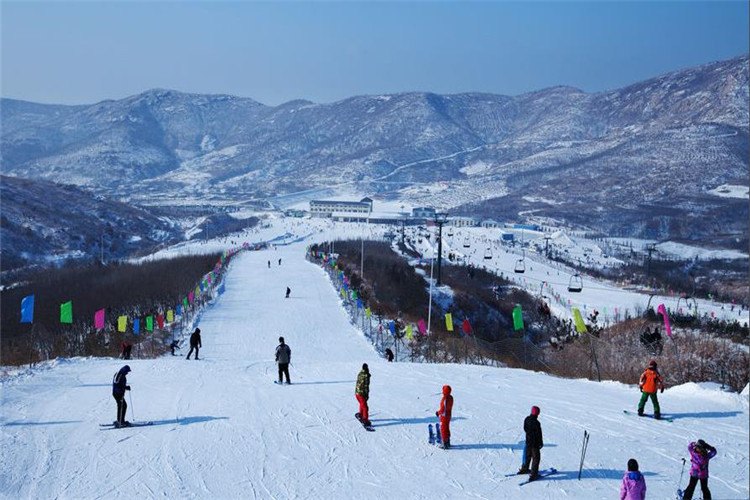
646, 155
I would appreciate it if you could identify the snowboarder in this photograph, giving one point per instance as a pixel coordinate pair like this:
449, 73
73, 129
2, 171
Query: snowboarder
283, 357
700, 453
650, 382
288, 291
534, 444
195, 343
444, 413
362, 392
633, 484
174, 345
119, 386
127, 348
389, 355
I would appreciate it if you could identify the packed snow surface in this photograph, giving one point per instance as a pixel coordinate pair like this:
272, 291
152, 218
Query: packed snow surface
223, 430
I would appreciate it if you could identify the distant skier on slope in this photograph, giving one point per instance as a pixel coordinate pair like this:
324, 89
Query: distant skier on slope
534, 444
649, 383
283, 358
288, 291
700, 453
195, 343
119, 386
633, 485
362, 392
444, 413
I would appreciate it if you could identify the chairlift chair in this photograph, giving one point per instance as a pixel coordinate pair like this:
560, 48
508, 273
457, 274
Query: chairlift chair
450, 232
488, 254
575, 284
467, 243
520, 266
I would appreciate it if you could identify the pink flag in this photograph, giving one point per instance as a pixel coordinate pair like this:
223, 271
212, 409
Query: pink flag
422, 327
190, 297
663, 311
99, 319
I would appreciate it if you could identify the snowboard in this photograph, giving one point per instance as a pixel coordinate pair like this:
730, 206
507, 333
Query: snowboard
438, 435
432, 434
106, 427
635, 414
542, 473
366, 427
281, 383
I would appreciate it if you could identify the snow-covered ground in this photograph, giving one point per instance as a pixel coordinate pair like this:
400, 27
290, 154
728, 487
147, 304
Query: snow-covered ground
222, 429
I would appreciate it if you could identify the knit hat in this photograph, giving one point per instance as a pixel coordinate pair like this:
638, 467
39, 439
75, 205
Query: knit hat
652, 364
632, 465
535, 411
281, 339
365, 367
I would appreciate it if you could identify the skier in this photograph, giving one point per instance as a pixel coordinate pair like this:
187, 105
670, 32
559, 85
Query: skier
174, 345
534, 444
283, 357
119, 386
269, 264
279, 261
633, 484
362, 391
700, 453
389, 355
650, 382
288, 291
127, 348
444, 413
195, 343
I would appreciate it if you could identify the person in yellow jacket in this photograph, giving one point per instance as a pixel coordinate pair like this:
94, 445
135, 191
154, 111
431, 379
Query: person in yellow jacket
650, 382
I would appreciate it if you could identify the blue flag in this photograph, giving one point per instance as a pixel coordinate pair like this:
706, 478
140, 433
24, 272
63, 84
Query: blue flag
392, 328
27, 309
136, 326
359, 303
179, 309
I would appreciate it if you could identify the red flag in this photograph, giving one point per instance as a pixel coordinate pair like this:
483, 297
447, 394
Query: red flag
160, 321
466, 327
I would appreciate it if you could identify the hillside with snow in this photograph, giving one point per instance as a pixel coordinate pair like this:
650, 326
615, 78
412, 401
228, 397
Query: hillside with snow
222, 429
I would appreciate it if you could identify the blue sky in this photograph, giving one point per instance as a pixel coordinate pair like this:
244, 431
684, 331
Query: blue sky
85, 51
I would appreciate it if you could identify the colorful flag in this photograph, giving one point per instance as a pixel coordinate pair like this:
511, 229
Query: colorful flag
663, 311
27, 309
466, 327
190, 297
136, 326
449, 322
422, 327
578, 320
149, 323
99, 319
517, 318
409, 332
392, 328
170, 316
122, 324
368, 313
184, 303
359, 303
66, 312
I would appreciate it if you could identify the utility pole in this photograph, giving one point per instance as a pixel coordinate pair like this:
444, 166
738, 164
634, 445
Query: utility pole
440, 219
546, 245
650, 248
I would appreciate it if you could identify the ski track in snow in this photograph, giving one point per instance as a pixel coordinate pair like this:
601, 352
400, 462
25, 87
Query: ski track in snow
222, 429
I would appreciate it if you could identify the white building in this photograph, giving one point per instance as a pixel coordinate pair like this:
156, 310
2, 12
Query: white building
423, 213
462, 221
489, 223
328, 208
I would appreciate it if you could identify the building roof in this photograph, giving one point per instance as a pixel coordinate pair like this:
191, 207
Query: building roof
341, 202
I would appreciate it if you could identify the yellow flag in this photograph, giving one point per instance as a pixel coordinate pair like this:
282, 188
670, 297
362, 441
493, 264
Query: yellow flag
408, 332
578, 320
367, 312
343, 293
449, 322
170, 316
122, 323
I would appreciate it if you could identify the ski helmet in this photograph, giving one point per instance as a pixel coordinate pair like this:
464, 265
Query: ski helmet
281, 339
535, 411
652, 364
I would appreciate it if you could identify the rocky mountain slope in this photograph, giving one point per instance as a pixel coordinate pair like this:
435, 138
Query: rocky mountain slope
643, 157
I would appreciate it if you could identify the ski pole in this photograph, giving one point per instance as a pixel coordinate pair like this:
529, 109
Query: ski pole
681, 473
132, 412
584, 445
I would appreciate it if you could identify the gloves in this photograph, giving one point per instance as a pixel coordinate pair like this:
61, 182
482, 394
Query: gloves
662, 390
127, 387
437, 413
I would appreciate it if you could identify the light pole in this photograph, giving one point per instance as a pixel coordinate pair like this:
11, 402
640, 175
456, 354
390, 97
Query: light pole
429, 307
440, 219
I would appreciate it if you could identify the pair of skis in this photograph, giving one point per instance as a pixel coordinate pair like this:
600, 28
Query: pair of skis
115, 425
541, 474
435, 437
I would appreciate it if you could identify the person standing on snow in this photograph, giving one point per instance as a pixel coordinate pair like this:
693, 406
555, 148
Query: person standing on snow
119, 386
362, 392
195, 343
444, 413
288, 291
700, 453
283, 358
534, 444
650, 382
633, 484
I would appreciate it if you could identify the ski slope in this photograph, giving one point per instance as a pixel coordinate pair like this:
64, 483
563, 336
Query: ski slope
223, 430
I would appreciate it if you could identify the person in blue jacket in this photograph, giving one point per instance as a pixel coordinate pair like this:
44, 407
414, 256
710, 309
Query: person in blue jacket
119, 386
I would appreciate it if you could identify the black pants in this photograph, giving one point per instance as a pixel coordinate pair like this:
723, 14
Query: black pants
688, 494
284, 370
191, 351
533, 455
122, 407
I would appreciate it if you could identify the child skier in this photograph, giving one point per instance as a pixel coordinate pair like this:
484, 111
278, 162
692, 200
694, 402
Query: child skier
444, 413
700, 453
119, 386
650, 382
633, 484
362, 392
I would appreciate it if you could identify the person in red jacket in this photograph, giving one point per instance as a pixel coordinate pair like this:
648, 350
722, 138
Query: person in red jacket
650, 382
444, 413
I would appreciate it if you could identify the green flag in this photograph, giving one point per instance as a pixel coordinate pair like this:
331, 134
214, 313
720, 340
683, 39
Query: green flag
517, 318
578, 320
149, 323
66, 312
184, 302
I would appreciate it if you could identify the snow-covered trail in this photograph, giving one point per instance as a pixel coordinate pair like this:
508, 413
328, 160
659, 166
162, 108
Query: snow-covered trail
222, 429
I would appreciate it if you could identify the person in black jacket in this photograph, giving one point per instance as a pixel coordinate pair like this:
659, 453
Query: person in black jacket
534, 444
119, 386
283, 358
195, 343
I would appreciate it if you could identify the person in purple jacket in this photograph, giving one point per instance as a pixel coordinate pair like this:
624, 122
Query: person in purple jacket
633, 484
700, 453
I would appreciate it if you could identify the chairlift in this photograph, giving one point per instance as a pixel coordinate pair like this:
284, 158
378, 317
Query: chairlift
488, 254
467, 243
520, 266
450, 231
575, 284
